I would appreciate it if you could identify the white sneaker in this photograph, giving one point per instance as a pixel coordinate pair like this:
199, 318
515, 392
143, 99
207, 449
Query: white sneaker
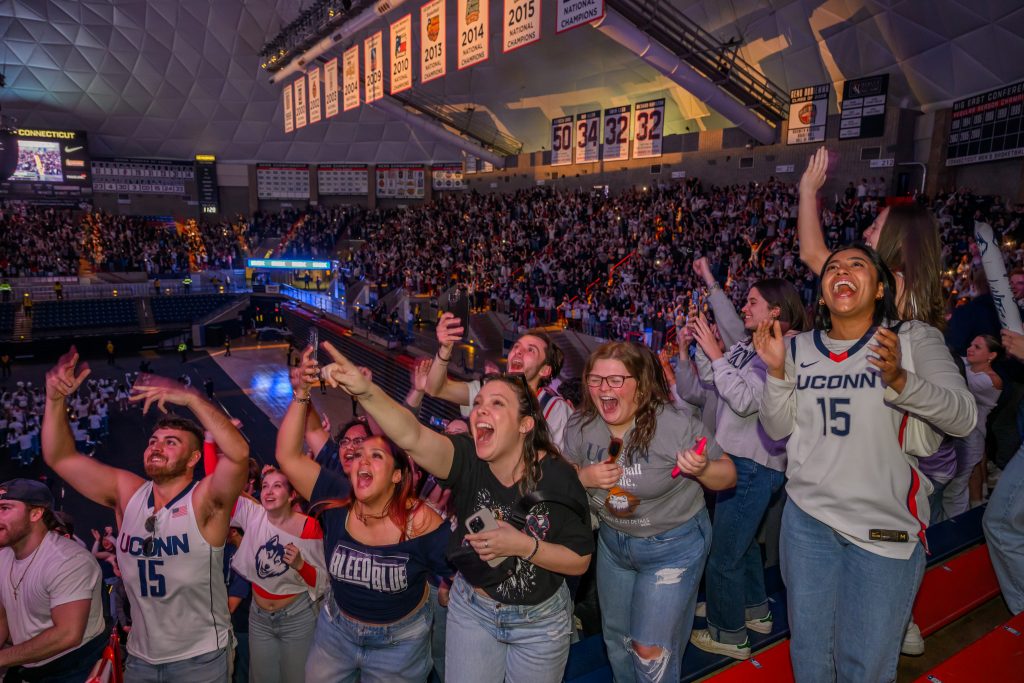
913, 641
702, 638
763, 625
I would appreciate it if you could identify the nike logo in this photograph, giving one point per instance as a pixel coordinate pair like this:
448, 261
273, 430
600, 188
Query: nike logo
69, 150
807, 365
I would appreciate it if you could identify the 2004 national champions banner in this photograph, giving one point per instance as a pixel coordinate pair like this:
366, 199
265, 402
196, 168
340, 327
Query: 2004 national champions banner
433, 54
331, 88
588, 137
374, 58
616, 133
401, 54
314, 94
474, 32
350, 75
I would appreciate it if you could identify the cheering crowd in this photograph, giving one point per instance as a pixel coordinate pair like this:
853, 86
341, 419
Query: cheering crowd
811, 372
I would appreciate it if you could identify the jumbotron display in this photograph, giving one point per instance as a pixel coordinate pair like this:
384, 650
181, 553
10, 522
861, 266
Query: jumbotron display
52, 165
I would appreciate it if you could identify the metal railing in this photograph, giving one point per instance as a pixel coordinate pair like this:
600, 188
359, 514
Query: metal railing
465, 119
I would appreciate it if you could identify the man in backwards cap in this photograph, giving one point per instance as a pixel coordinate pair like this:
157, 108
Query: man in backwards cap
50, 590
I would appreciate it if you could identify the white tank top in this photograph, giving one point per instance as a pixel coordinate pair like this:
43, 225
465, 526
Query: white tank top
178, 596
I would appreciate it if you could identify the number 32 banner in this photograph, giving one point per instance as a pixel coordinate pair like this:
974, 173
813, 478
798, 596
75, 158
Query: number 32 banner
616, 133
561, 141
648, 129
588, 141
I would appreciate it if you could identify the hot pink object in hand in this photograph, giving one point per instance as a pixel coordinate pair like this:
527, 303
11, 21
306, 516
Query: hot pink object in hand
699, 449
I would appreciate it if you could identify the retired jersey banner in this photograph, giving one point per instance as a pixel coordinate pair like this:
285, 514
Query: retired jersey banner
350, 78
588, 138
561, 141
300, 103
616, 133
374, 58
808, 113
521, 22
331, 88
648, 128
474, 32
314, 95
401, 54
572, 13
289, 112
432, 41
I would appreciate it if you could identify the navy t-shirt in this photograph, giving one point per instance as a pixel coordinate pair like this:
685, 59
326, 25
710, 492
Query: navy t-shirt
379, 584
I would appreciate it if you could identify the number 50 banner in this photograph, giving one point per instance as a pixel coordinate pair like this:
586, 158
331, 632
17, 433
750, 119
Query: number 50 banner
561, 141
648, 128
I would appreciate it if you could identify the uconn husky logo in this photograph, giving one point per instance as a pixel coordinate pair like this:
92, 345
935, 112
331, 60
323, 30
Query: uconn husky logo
270, 559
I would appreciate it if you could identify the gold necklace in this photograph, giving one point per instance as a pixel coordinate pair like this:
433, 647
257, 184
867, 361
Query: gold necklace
10, 574
363, 516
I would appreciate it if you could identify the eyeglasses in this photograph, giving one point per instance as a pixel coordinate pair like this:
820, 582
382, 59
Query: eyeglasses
149, 545
354, 441
613, 381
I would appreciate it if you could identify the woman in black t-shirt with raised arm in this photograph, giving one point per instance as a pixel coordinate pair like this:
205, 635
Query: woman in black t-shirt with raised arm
510, 622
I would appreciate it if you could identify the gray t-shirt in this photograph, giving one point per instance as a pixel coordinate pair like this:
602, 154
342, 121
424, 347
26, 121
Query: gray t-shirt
646, 501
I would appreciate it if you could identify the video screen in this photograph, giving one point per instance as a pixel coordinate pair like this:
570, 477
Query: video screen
39, 160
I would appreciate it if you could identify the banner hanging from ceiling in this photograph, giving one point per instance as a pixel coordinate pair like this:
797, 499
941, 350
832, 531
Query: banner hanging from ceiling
374, 58
300, 102
616, 133
521, 24
432, 41
987, 127
289, 113
474, 32
401, 54
864, 108
648, 128
572, 13
314, 95
350, 78
808, 114
588, 138
561, 141
331, 88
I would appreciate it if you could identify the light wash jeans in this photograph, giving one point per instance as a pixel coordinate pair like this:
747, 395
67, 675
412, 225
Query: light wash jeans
211, 667
1004, 531
735, 571
437, 635
848, 608
492, 642
279, 641
647, 588
346, 650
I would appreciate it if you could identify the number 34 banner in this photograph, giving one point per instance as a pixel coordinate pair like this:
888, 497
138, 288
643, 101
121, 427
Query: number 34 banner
648, 129
588, 142
561, 141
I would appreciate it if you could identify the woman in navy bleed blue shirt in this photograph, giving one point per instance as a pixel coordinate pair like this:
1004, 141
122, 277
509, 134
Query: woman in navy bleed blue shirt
380, 544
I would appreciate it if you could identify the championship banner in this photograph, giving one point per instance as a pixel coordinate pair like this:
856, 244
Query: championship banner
447, 177
864, 108
350, 78
616, 133
289, 112
648, 128
374, 58
331, 88
561, 141
572, 13
474, 32
314, 95
401, 54
300, 102
521, 23
400, 181
432, 40
808, 113
588, 140
987, 127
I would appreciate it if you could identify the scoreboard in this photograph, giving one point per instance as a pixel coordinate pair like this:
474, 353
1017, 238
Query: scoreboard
987, 127
52, 167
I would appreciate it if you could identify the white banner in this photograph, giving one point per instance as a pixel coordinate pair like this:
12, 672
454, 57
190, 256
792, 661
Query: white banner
432, 41
350, 78
474, 32
300, 102
314, 95
331, 88
402, 182
648, 128
447, 177
572, 13
616, 133
588, 137
289, 113
561, 141
401, 54
521, 22
808, 113
343, 179
373, 56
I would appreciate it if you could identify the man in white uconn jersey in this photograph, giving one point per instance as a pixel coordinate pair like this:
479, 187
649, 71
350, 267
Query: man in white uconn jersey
173, 530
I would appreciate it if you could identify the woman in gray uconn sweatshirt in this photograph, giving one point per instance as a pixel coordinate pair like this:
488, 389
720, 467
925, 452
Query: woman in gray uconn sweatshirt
736, 596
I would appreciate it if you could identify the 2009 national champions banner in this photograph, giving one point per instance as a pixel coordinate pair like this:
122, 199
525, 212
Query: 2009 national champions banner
374, 83
432, 41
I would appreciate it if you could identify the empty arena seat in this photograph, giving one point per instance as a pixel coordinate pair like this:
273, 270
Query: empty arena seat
187, 308
84, 313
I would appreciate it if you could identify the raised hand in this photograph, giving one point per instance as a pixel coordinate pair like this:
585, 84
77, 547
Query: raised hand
420, 371
63, 380
1013, 342
152, 389
345, 374
305, 374
705, 337
703, 270
889, 359
816, 172
771, 347
449, 330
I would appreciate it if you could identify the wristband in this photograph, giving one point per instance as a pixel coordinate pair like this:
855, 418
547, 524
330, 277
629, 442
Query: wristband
443, 360
536, 547
297, 399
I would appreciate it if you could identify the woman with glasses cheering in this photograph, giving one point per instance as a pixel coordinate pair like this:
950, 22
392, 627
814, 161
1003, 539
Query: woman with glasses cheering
654, 534
509, 613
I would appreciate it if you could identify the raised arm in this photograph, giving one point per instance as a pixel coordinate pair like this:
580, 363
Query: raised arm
99, 483
301, 471
419, 376
730, 326
813, 251
315, 434
431, 451
778, 401
439, 385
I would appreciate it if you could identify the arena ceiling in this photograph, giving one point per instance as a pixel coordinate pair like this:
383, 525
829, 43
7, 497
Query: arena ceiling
174, 78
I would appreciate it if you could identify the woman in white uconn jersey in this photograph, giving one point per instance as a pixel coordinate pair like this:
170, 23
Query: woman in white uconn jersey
171, 543
860, 401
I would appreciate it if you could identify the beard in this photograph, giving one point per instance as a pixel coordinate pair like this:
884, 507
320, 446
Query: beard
13, 533
167, 471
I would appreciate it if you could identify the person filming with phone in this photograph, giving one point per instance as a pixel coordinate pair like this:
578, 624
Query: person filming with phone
525, 529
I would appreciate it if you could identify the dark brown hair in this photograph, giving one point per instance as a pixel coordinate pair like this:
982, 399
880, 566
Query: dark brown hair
553, 355
910, 245
182, 424
782, 294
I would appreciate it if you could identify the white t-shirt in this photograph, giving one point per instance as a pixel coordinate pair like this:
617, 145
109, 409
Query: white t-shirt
60, 572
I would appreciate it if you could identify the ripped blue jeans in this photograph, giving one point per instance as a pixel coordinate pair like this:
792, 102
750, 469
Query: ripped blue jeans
647, 588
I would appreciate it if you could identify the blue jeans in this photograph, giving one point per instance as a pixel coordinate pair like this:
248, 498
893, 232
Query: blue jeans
211, 667
735, 572
279, 641
346, 650
1004, 531
490, 641
437, 634
647, 588
848, 608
